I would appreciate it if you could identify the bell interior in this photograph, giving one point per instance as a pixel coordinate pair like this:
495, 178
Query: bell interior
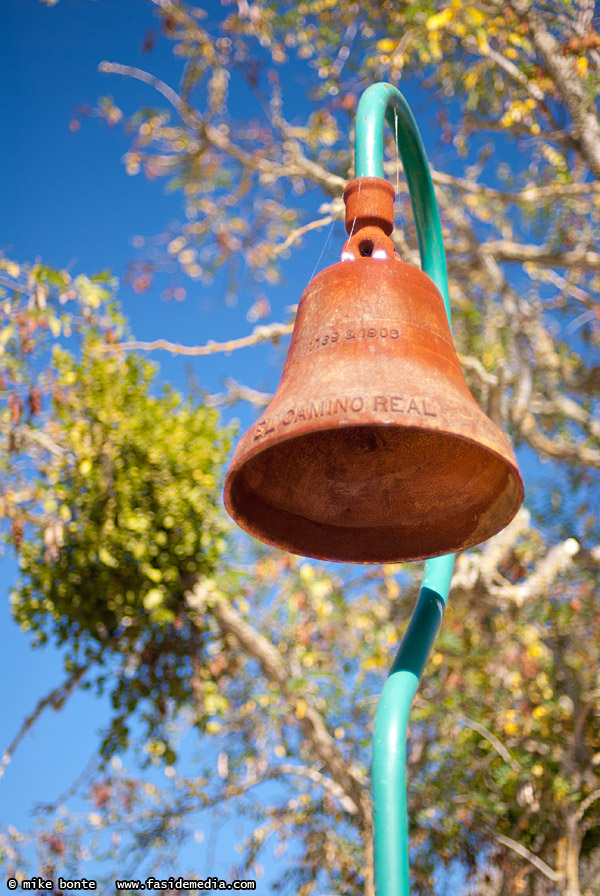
374, 493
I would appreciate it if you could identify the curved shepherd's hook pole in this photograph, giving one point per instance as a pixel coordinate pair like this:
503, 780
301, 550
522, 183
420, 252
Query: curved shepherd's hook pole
378, 103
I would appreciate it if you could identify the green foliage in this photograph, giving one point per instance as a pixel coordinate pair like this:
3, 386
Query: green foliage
131, 521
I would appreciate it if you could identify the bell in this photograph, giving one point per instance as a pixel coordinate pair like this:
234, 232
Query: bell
372, 450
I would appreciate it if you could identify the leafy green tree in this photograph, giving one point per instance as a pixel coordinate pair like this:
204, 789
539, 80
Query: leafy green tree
278, 662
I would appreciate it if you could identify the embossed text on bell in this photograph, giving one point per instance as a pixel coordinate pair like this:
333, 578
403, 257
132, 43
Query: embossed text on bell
373, 448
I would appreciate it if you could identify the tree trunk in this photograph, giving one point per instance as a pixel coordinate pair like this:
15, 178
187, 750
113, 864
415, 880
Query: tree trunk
572, 850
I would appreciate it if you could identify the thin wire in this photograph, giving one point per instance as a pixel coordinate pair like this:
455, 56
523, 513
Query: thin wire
397, 153
354, 220
333, 223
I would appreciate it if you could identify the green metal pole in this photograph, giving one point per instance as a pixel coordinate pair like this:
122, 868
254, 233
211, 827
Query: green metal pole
379, 103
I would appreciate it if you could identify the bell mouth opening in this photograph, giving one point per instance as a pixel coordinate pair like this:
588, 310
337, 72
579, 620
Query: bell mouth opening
374, 494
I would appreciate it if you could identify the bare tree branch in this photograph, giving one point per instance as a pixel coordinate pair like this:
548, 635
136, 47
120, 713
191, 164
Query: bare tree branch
520, 253
492, 739
579, 104
55, 699
528, 194
580, 455
269, 333
255, 645
525, 853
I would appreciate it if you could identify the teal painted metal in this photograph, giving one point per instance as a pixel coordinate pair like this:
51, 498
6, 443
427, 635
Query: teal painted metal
379, 103
390, 815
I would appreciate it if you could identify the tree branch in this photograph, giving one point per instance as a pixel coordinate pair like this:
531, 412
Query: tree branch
549, 567
171, 95
269, 333
525, 853
520, 253
527, 194
579, 455
493, 740
579, 105
55, 699
238, 392
256, 646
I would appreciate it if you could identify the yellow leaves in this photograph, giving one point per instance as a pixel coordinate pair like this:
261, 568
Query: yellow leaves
153, 599
386, 45
539, 712
12, 268
475, 15
537, 650
554, 157
437, 659
339, 733
487, 357
318, 6
238, 225
176, 245
135, 522
377, 662
85, 467
328, 135
155, 575
529, 635
213, 727
307, 889
471, 79
581, 66
482, 43
363, 622
306, 572
537, 770
6, 335
440, 19
510, 725
91, 293
520, 111
55, 326
214, 704
322, 589
107, 558
392, 587
301, 707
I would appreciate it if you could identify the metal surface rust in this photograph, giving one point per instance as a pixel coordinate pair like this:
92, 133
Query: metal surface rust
372, 449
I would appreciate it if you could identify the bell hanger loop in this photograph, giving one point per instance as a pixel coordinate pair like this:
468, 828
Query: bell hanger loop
380, 103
